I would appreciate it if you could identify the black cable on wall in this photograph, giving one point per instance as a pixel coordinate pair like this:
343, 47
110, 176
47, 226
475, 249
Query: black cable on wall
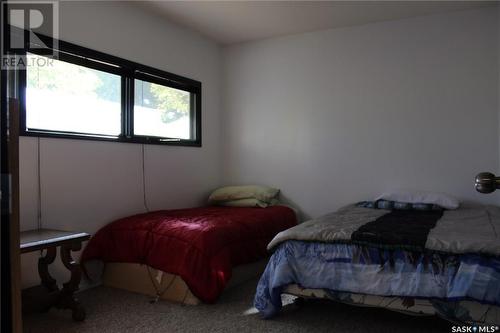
144, 197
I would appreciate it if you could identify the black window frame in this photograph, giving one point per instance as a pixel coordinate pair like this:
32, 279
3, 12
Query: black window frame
128, 71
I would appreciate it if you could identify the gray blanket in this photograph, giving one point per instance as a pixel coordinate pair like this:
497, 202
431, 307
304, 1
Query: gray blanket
469, 229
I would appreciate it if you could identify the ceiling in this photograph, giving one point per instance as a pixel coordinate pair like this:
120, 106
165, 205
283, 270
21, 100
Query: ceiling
229, 22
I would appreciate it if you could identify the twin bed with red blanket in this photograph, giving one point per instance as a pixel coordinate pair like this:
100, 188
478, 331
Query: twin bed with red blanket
200, 245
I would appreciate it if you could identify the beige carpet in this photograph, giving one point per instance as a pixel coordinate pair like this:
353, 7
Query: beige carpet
113, 310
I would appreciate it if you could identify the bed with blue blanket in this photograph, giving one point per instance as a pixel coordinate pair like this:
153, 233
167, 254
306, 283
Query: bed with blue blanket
420, 260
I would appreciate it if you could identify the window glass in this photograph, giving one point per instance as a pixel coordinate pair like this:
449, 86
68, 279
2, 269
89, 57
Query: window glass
65, 97
161, 111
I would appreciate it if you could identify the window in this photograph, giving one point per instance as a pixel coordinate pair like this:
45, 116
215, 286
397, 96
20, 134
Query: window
161, 111
65, 97
86, 94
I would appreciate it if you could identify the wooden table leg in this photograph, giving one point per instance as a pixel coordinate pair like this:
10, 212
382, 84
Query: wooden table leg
67, 299
43, 269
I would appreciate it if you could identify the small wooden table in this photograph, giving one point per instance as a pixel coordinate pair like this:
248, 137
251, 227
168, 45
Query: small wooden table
49, 240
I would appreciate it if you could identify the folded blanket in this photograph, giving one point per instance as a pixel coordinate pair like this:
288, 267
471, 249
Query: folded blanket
469, 229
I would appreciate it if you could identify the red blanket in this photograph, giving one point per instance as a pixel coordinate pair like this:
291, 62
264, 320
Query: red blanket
201, 245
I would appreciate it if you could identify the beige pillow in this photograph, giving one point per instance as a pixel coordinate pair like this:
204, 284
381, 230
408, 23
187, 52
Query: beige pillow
248, 203
230, 193
244, 203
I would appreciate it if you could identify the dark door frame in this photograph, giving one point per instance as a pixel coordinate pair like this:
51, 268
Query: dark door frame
10, 306
6, 307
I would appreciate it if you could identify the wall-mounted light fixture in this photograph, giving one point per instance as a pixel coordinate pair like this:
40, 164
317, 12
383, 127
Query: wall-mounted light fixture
486, 182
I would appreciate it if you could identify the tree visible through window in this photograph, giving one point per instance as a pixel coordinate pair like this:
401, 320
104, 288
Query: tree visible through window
161, 111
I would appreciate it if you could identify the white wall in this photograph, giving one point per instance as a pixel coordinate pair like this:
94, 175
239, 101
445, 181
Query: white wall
87, 184
340, 115
329, 117
498, 77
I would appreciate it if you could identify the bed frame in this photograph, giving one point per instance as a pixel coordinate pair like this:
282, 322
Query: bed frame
464, 310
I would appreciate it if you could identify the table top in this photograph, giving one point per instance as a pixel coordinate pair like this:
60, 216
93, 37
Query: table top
33, 240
